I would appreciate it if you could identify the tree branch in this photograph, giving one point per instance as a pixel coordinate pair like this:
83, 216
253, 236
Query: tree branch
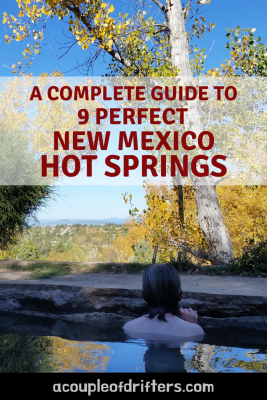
160, 5
113, 53
187, 7
198, 254
193, 14
162, 30
221, 179
149, 26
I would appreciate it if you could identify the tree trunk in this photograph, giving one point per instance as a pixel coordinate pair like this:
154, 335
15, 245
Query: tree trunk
181, 255
210, 217
154, 258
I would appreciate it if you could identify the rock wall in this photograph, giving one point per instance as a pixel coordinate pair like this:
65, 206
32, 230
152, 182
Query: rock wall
61, 299
78, 313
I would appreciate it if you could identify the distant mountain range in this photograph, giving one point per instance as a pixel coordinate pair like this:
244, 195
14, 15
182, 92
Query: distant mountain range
54, 222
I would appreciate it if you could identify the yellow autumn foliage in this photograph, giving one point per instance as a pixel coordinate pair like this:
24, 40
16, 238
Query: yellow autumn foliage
70, 355
123, 245
244, 209
245, 212
123, 248
127, 39
88, 21
162, 221
6, 254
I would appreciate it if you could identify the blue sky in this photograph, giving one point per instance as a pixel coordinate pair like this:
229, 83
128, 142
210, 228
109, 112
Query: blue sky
103, 201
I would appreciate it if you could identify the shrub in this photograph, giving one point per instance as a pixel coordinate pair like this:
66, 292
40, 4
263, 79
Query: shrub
254, 256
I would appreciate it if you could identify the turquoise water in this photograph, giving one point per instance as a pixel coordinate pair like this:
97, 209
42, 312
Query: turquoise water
26, 353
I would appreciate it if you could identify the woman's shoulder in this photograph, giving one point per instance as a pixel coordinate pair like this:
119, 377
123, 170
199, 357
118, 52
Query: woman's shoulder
195, 329
135, 324
174, 326
181, 327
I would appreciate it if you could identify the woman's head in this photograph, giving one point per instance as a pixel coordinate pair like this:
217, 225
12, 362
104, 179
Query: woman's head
161, 290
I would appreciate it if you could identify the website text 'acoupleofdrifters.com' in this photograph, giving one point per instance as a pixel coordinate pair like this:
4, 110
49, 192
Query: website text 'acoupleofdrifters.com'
152, 386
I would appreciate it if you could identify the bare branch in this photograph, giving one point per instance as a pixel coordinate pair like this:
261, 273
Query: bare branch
68, 48
162, 30
160, 5
198, 254
162, 25
193, 14
187, 7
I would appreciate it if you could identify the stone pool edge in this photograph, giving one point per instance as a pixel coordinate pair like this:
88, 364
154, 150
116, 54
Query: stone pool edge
65, 299
231, 318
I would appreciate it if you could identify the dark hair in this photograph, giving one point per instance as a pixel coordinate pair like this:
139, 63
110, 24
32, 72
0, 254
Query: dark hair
161, 289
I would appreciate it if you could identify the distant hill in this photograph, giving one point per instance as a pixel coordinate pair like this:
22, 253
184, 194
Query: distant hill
54, 222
